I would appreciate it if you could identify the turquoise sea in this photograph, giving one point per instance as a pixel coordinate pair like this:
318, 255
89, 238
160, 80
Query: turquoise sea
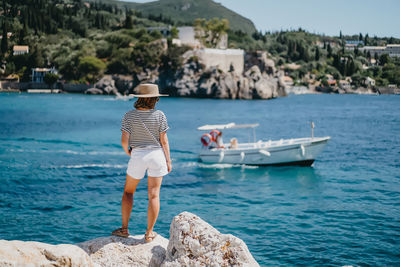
62, 172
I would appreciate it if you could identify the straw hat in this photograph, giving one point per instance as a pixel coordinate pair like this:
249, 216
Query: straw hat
147, 90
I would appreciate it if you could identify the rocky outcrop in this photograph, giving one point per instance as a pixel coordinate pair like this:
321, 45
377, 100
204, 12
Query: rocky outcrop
192, 80
260, 81
193, 242
112, 85
132, 251
19, 253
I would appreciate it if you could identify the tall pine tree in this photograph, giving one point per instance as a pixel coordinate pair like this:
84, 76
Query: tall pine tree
317, 54
4, 41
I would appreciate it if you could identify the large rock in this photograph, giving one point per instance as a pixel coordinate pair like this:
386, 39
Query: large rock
193, 242
107, 85
19, 253
132, 251
123, 83
260, 81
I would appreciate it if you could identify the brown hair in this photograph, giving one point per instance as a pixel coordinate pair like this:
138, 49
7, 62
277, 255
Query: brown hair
146, 102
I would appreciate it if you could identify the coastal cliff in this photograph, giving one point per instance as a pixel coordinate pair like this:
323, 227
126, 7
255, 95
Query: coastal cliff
260, 80
193, 242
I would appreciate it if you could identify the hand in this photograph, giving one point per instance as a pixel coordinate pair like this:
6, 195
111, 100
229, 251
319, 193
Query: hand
169, 166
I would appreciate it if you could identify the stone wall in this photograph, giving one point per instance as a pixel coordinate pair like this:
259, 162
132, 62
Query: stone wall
223, 59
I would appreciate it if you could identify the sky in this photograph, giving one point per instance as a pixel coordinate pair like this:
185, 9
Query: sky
329, 17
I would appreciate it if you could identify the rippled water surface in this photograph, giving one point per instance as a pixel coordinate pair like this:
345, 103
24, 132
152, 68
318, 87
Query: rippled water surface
62, 174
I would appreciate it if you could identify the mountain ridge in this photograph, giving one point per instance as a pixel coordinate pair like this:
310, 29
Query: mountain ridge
186, 11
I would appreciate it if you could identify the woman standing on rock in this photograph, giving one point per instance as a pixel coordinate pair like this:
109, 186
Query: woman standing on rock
144, 139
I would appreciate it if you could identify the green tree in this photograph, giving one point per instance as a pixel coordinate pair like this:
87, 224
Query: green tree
4, 40
317, 54
128, 22
366, 39
384, 59
329, 50
174, 32
50, 79
91, 68
210, 32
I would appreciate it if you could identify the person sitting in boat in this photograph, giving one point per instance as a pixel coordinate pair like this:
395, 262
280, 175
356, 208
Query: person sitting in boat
233, 143
217, 139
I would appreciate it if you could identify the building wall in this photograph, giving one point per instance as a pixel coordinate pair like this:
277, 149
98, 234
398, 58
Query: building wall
222, 58
187, 37
391, 50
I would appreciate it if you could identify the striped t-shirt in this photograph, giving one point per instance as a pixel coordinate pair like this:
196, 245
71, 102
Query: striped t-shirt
144, 127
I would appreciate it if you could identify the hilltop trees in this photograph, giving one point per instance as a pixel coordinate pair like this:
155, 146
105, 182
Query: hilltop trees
4, 40
84, 39
210, 32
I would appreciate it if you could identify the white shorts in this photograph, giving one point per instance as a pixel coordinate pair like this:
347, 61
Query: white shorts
150, 160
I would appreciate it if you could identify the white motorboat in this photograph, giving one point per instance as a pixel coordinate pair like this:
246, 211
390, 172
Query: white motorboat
297, 151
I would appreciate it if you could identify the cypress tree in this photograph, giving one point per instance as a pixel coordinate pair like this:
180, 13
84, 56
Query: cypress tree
128, 22
317, 54
366, 39
329, 50
23, 33
4, 41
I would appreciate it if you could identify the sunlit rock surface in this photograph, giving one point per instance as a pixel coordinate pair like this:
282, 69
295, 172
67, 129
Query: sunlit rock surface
194, 242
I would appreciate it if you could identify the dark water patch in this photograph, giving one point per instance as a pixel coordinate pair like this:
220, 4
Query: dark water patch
49, 209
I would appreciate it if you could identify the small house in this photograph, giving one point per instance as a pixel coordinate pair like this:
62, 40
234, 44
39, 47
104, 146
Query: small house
20, 50
39, 73
288, 81
331, 82
344, 84
369, 82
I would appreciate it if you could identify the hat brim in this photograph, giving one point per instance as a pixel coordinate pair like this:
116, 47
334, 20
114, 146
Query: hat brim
148, 95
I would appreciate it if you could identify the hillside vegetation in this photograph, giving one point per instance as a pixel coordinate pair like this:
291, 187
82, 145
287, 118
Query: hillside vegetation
84, 40
184, 12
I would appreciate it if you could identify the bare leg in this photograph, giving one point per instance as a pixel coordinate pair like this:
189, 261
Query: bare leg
154, 184
127, 199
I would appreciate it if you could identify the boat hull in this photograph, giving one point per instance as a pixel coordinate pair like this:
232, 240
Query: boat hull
299, 152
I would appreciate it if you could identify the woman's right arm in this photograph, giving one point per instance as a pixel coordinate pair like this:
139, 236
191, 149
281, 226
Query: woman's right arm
125, 142
165, 146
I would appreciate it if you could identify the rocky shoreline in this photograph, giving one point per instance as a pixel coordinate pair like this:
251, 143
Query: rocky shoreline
193, 242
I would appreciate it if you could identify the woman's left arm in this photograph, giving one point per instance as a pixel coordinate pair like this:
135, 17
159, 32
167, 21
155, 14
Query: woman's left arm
125, 142
165, 146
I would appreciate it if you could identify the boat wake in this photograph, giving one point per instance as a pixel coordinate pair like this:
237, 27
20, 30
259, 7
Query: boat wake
214, 166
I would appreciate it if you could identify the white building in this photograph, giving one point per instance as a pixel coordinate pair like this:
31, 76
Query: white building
379, 50
288, 81
393, 50
369, 82
20, 50
187, 37
39, 73
344, 84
